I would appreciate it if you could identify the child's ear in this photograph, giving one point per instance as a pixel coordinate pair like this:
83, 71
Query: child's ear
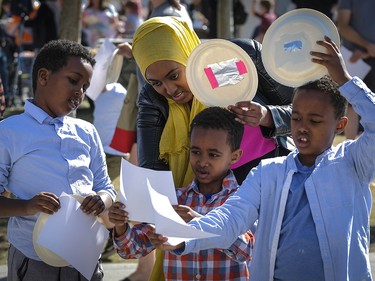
341, 125
236, 155
43, 76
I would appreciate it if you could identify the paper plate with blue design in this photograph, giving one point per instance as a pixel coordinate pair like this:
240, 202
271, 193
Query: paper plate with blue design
288, 42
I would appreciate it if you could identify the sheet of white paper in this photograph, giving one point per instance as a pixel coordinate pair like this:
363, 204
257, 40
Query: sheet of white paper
103, 59
134, 192
359, 68
75, 236
169, 223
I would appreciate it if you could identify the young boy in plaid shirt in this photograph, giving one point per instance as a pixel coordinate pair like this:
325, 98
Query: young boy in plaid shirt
214, 145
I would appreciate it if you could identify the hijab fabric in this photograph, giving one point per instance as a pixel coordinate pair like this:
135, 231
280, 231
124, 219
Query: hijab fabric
170, 38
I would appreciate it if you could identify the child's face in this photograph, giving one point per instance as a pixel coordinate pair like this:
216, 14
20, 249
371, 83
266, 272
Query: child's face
168, 78
210, 157
314, 124
59, 93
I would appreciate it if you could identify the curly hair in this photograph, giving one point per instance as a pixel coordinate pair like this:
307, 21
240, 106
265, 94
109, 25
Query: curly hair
327, 86
220, 119
55, 54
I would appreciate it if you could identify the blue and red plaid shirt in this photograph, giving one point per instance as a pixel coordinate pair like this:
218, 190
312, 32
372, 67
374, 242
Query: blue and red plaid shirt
212, 264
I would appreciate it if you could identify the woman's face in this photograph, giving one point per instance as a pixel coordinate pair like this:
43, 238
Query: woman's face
168, 78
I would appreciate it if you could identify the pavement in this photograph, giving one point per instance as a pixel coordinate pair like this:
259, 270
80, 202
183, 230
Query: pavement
112, 271
118, 271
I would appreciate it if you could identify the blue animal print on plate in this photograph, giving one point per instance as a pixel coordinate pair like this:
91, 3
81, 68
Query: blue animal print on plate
293, 46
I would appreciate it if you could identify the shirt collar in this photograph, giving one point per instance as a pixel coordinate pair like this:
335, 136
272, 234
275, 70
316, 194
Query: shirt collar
318, 159
39, 114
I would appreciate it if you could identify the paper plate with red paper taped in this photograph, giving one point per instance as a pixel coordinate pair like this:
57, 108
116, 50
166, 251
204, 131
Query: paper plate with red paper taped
220, 73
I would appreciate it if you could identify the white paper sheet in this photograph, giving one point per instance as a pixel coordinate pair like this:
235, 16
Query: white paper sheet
103, 59
169, 223
75, 236
134, 192
359, 68
148, 196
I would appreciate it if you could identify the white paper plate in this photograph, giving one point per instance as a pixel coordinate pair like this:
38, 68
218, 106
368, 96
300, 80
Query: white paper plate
288, 42
237, 79
114, 68
43, 253
107, 69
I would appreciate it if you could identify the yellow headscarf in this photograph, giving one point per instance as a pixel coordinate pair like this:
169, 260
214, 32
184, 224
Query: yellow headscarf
170, 38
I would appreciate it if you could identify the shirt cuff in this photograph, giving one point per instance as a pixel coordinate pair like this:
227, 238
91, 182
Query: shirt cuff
353, 87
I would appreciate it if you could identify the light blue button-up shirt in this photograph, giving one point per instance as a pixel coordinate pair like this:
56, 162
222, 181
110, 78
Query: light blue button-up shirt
39, 153
338, 194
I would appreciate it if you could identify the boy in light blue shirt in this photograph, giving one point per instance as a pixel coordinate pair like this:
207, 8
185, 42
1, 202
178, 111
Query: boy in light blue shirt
43, 153
313, 205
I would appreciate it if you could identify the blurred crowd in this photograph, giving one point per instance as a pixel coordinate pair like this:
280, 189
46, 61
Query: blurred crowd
26, 25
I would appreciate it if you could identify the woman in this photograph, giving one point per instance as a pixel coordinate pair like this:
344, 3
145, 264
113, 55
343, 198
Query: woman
166, 99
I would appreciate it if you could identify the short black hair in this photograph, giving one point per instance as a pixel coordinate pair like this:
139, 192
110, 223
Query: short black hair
55, 54
267, 4
219, 118
329, 87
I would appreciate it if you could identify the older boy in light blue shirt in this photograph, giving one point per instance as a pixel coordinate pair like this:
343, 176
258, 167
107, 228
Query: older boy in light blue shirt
43, 153
313, 205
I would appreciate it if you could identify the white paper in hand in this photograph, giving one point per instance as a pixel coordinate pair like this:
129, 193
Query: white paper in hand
169, 223
134, 191
80, 236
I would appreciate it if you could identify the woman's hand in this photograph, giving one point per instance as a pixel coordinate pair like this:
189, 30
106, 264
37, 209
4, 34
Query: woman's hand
186, 213
252, 114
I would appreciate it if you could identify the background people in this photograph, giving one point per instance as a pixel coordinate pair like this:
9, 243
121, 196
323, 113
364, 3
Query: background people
326, 7
99, 21
358, 34
267, 17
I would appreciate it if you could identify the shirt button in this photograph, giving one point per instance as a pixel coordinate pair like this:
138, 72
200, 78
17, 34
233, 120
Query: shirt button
198, 276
